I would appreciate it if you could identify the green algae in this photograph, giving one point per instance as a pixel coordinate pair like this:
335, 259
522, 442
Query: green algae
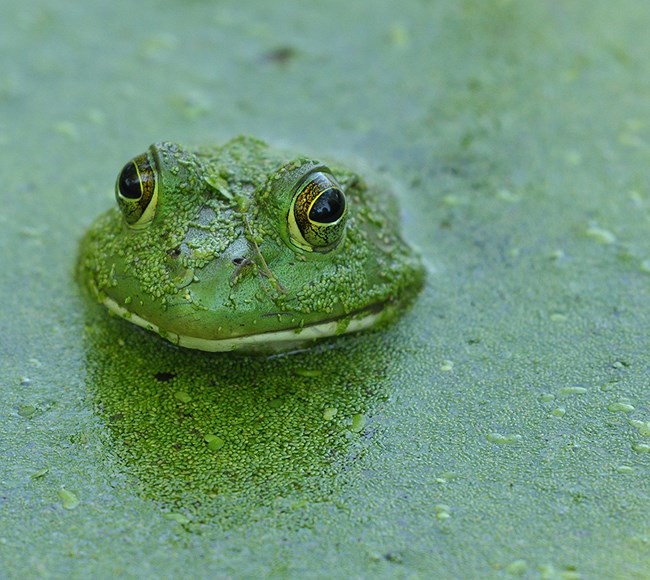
241, 438
68, 499
518, 132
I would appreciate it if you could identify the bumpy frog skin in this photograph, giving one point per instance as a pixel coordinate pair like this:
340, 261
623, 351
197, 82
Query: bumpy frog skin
244, 247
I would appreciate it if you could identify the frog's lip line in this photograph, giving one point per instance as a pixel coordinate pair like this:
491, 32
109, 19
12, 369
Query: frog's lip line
295, 335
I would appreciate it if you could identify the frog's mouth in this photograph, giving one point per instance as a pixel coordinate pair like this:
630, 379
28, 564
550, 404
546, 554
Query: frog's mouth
277, 340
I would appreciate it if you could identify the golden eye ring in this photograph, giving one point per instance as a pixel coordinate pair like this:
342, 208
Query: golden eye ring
318, 213
136, 191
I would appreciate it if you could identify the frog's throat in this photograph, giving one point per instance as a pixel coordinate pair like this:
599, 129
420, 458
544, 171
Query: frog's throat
281, 338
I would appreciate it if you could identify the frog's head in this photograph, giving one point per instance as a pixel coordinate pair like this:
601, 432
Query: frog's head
243, 247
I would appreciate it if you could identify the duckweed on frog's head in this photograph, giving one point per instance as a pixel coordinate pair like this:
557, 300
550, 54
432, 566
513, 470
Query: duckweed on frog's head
245, 247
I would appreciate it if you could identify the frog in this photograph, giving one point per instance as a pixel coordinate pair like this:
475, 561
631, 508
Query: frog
248, 247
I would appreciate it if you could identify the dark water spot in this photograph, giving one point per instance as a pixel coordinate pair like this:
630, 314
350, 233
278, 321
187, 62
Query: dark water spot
280, 55
394, 557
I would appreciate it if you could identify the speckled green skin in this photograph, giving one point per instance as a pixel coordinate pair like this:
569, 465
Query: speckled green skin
217, 261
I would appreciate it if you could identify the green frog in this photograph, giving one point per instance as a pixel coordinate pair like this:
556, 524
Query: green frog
246, 247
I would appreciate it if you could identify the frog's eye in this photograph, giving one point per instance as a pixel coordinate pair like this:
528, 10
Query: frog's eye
136, 191
318, 213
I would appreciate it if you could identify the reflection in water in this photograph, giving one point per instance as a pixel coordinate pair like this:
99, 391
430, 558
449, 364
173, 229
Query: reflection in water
224, 438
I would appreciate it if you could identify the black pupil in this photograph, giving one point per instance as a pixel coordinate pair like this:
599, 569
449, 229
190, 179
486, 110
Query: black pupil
328, 207
129, 182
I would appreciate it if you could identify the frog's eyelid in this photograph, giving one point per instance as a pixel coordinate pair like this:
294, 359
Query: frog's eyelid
318, 168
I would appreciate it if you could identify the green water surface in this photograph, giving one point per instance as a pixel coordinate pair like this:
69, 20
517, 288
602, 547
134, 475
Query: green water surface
500, 429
